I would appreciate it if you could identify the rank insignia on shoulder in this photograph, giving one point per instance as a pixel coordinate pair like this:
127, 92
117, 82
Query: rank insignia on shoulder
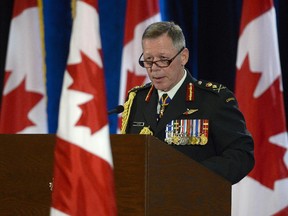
219, 88
187, 132
230, 99
209, 84
213, 86
190, 111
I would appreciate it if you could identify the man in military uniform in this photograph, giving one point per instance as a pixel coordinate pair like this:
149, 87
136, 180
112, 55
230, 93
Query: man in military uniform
200, 119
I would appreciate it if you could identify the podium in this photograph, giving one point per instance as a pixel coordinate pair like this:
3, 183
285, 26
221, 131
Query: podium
151, 178
26, 164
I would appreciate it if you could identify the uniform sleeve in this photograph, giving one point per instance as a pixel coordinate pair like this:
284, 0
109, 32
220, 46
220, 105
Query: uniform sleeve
233, 143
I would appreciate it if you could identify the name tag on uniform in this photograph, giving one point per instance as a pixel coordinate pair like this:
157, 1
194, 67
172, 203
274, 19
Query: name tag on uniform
138, 124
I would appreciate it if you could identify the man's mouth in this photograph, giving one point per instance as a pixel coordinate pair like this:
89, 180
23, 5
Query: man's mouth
158, 78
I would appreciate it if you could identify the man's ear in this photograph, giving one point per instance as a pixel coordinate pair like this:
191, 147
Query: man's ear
184, 56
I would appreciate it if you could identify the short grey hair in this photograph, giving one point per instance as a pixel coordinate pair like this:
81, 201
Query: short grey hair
170, 28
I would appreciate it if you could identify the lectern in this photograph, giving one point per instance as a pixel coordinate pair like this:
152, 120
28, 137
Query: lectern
151, 178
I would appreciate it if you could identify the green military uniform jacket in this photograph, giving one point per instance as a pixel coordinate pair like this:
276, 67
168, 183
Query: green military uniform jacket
222, 142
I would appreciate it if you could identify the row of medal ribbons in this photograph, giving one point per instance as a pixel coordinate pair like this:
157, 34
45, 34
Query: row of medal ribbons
187, 132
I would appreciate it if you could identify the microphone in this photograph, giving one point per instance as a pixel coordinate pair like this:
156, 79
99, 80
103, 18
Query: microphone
118, 109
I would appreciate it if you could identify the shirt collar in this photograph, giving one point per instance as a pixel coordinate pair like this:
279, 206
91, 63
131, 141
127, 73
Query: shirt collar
173, 91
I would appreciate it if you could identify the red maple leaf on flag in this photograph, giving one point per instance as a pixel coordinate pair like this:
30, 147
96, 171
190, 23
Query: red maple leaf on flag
16, 105
134, 80
88, 77
6, 76
264, 122
282, 212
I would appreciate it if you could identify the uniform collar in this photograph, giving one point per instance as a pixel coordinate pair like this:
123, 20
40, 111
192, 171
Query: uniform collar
173, 91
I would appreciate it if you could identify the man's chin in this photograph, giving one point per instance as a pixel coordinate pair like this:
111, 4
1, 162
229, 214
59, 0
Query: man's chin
160, 87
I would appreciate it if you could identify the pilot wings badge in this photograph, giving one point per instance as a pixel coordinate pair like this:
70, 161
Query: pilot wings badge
190, 111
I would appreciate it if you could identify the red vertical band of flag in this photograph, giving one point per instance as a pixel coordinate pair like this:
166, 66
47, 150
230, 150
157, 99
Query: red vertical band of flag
24, 102
83, 171
260, 94
139, 14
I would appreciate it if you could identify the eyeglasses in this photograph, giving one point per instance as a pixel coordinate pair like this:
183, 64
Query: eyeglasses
159, 63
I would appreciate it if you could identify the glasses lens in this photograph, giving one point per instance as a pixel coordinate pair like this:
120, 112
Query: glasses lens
163, 63
148, 64
159, 63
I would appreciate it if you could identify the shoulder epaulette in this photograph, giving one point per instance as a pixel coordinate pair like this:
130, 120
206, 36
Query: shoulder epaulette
139, 88
210, 86
216, 88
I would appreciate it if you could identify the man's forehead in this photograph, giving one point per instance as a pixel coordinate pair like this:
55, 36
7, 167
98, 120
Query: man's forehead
158, 45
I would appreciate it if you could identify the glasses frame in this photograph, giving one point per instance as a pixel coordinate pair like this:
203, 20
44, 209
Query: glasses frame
141, 62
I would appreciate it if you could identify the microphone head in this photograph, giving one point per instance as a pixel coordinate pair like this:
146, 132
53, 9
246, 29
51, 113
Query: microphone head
119, 109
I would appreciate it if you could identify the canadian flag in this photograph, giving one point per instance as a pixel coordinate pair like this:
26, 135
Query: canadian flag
83, 170
260, 94
24, 95
139, 14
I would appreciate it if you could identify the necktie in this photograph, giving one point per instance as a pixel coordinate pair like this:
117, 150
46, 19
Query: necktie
164, 101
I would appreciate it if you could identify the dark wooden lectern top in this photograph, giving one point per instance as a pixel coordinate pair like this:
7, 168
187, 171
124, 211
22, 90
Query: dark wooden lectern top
151, 178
